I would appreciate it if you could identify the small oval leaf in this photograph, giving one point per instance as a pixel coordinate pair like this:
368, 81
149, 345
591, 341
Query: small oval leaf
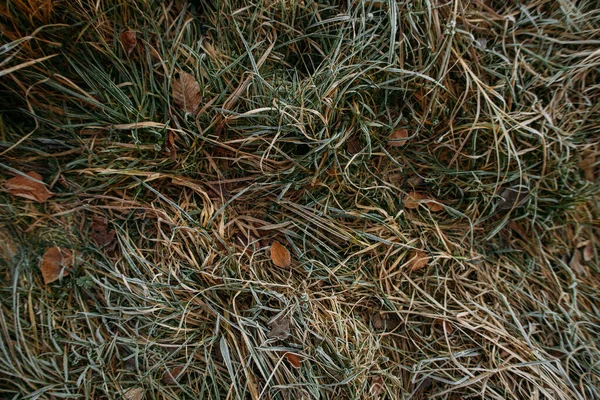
280, 255
55, 263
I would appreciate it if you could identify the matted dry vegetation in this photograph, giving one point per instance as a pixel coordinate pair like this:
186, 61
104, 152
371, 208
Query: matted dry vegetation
299, 200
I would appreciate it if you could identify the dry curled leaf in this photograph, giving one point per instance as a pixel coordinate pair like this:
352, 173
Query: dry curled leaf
376, 386
294, 359
398, 138
169, 146
513, 197
575, 263
588, 251
172, 376
186, 93
100, 233
134, 393
353, 145
129, 41
412, 200
55, 263
384, 321
417, 260
29, 188
434, 206
280, 328
445, 325
280, 255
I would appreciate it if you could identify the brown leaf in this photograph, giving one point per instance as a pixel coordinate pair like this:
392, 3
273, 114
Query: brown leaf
100, 233
55, 263
280, 328
412, 200
353, 145
434, 206
294, 359
129, 41
384, 321
417, 260
280, 255
513, 197
28, 188
446, 326
588, 251
576, 265
186, 93
398, 138
170, 146
172, 376
376, 386
134, 393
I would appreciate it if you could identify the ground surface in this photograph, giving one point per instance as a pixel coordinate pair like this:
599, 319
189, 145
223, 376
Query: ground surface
299, 200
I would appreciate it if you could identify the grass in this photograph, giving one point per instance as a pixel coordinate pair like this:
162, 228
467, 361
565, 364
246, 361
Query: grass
291, 144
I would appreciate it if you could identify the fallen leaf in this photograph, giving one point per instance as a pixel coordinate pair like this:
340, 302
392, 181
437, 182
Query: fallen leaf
384, 321
376, 386
55, 263
434, 206
513, 197
588, 165
172, 376
294, 359
576, 265
134, 393
186, 93
29, 188
417, 260
129, 41
446, 326
588, 251
280, 328
353, 145
412, 200
170, 146
280, 255
398, 138
100, 233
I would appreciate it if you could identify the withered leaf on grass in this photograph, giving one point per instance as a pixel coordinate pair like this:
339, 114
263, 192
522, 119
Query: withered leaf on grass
129, 41
575, 263
588, 251
280, 328
417, 259
398, 138
56, 263
513, 197
294, 359
29, 188
134, 393
170, 146
413, 199
100, 233
280, 255
186, 92
172, 376
376, 386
